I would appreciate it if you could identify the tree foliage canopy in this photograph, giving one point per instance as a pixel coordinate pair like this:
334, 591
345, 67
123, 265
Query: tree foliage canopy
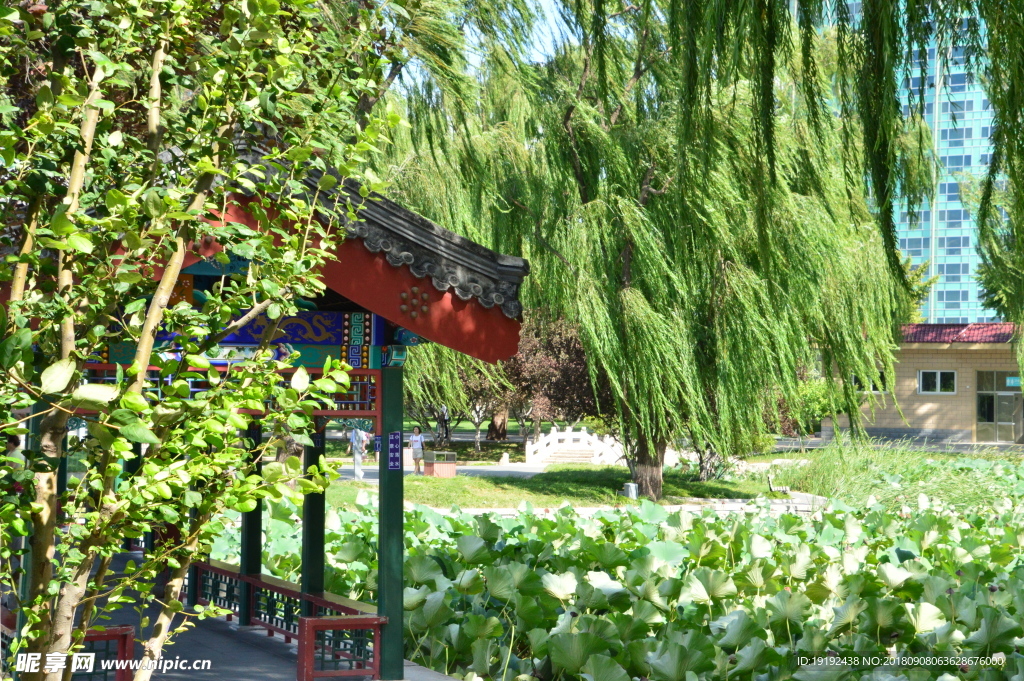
689, 197
127, 129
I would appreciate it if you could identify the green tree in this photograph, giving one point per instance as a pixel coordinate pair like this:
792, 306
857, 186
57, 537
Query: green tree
703, 269
127, 128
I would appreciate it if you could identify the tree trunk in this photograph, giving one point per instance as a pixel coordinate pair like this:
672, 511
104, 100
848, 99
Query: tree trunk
536, 430
498, 428
707, 464
476, 441
162, 626
647, 470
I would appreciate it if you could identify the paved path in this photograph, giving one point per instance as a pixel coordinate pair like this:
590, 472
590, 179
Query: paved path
512, 470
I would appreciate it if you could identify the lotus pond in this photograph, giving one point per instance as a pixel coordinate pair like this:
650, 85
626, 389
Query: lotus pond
642, 593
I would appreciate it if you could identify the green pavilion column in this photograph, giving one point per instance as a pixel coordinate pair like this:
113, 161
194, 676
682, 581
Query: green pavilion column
391, 539
251, 554
313, 518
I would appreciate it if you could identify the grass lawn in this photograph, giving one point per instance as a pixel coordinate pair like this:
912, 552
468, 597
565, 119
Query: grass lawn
580, 485
896, 474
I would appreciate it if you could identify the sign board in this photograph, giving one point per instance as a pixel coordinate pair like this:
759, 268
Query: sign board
376, 443
395, 451
1013, 381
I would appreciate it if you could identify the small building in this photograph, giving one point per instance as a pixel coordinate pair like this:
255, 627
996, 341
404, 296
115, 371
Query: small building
954, 383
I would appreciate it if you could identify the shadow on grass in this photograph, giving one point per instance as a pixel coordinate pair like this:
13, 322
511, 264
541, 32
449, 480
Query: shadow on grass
579, 484
602, 483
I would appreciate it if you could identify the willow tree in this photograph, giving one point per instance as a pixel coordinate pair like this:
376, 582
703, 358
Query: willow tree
692, 213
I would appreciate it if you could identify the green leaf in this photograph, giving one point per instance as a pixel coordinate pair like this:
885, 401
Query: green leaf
134, 401
326, 182
414, 598
153, 204
670, 552
704, 585
893, 576
738, 629
846, 616
44, 97
924, 616
138, 432
569, 652
12, 349
246, 505
473, 549
996, 633
562, 587
435, 611
675, 662
479, 626
603, 668
79, 241
94, 395
55, 378
197, 361
300, 380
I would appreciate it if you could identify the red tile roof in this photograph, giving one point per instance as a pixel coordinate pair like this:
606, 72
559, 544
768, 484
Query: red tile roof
1001, 332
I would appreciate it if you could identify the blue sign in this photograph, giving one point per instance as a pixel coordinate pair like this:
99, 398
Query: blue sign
376, 443
395, 451
1013, 381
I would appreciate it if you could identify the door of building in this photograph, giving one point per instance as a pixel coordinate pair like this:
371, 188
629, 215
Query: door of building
1000, 407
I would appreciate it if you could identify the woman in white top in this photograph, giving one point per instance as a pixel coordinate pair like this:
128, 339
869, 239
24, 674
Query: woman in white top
416, 442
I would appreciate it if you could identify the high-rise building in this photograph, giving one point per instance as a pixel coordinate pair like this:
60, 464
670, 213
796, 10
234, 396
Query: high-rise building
945, 234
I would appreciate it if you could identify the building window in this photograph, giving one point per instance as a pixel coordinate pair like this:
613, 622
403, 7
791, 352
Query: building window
956, 163
876, 387
955, 138
949, 190
951, 299
957, 82
953, 244
936, 382
921, 217
915, 246
951, 272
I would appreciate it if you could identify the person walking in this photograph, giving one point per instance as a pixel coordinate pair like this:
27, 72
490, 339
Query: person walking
416, 442
357, 440
446, 426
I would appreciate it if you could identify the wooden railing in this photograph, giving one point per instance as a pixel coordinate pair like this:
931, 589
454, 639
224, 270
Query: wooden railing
340, 639
99, 642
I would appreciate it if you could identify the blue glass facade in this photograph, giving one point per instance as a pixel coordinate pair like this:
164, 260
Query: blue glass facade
944, 232
958, 113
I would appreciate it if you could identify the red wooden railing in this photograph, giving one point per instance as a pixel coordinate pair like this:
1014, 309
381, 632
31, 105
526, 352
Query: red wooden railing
125, 637
276, 605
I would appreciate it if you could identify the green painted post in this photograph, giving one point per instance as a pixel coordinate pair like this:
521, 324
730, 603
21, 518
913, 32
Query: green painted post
391, 539
130, 469
30, 445
313, 518
251, 553
62, 469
